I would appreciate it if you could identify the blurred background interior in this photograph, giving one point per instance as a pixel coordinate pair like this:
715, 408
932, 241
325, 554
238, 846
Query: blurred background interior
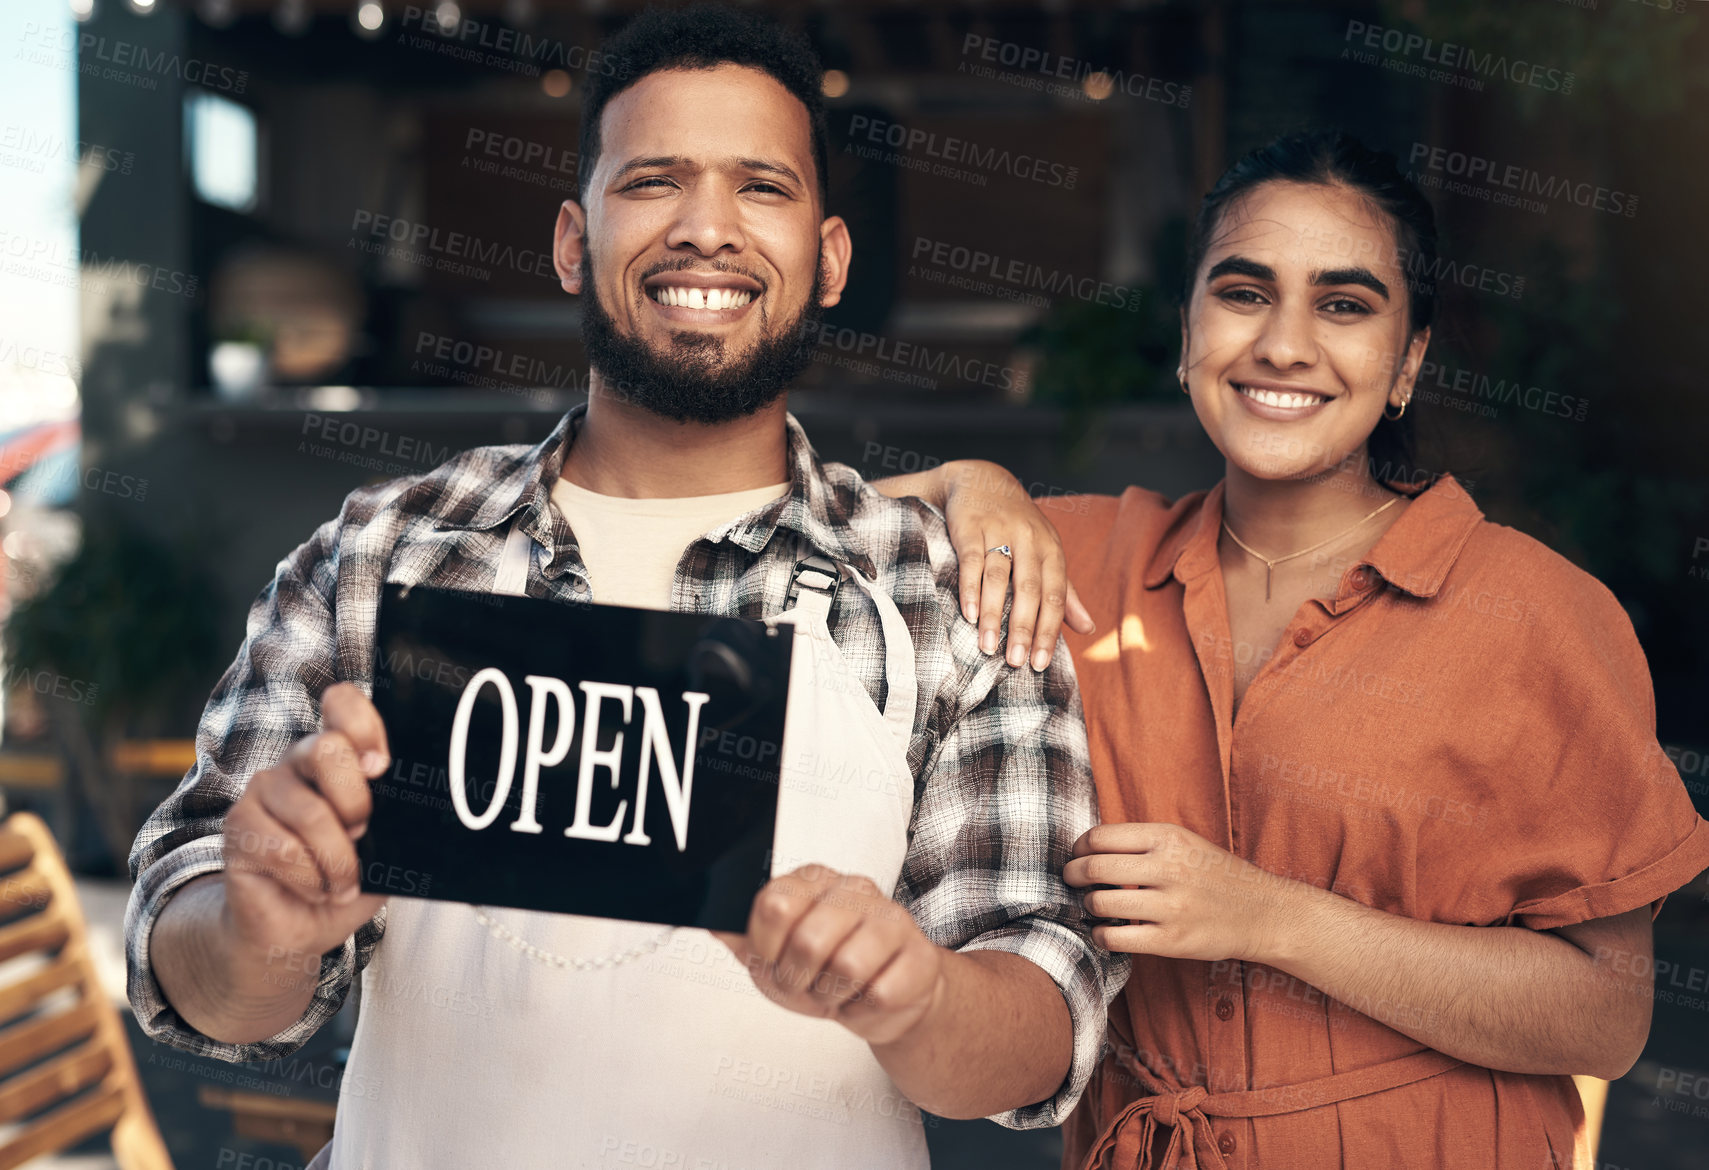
259, 252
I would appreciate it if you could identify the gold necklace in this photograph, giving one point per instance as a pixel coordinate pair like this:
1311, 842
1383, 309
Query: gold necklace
1270, 564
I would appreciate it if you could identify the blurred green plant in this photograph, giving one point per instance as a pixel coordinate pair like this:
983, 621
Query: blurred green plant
1093, 357
1632, 57
129, 613
1610, 507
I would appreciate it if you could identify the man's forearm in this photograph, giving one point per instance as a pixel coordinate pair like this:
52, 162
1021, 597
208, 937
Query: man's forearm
222, 988
1506, 998
998, 1037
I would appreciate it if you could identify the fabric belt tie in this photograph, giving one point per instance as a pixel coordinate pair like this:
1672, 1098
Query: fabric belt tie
1127, 1142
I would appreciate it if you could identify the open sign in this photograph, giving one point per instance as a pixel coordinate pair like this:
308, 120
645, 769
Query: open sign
586, 759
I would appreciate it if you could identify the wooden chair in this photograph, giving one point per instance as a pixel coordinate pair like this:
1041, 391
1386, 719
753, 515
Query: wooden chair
66, 1070
264, 1117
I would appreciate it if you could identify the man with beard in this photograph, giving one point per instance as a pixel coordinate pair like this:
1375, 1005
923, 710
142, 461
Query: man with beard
917, 947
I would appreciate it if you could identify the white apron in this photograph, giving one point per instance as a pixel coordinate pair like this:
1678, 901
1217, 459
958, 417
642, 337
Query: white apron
557, 1041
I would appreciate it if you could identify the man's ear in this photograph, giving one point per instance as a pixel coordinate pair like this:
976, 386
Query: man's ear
568, 245
835, 248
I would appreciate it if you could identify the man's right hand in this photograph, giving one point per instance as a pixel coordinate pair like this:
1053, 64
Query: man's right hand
291, 879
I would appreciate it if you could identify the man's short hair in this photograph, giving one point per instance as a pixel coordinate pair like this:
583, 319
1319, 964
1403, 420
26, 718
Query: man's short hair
704, 37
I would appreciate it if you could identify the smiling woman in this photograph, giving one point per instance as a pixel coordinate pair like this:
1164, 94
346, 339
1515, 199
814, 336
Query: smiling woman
1363, 243
1373, 770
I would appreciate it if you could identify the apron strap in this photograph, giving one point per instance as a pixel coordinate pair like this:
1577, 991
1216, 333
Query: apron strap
512, 575
902, 685
812, 590
813, 587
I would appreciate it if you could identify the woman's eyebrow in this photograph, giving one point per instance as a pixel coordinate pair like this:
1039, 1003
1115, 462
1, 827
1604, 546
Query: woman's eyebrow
1361, 276
1241, 266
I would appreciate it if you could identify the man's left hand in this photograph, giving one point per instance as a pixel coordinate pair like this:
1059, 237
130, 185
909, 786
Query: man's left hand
831, 945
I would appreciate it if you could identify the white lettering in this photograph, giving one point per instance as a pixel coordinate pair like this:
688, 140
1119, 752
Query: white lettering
534, 759
656, 745
593, 758
507, 748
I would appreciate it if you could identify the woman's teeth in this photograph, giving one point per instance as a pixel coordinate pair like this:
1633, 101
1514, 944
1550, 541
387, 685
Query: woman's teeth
702, 298
1287, 401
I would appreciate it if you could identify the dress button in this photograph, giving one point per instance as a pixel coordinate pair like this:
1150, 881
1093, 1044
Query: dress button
1225, 1143
1361, 579
1302, 637
1225, 1008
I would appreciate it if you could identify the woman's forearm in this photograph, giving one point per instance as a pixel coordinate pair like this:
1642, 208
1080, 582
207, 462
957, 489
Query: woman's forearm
929, 486
1506, 998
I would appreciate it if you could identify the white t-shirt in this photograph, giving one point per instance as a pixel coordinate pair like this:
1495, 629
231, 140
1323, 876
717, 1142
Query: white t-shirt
631, 546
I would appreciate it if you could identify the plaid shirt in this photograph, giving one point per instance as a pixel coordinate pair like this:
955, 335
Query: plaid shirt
1003, 785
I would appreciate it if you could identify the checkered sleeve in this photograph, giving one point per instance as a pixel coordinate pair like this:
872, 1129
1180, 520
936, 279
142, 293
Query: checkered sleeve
266, 700
1006, 792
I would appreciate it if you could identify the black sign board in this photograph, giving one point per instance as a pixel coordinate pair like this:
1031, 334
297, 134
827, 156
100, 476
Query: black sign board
586, 759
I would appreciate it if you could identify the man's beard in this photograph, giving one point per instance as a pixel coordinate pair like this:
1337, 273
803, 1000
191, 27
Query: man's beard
695, 380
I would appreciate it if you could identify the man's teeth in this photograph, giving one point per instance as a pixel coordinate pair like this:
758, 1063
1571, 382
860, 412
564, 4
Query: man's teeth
702, 298
1276, 398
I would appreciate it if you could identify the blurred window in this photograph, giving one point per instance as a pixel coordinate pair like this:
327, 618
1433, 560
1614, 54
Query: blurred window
223, 144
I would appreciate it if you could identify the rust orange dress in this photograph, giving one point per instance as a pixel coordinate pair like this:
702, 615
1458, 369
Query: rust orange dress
1465, 734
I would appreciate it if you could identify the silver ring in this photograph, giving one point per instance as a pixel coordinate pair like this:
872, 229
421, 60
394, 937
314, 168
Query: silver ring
1002, 548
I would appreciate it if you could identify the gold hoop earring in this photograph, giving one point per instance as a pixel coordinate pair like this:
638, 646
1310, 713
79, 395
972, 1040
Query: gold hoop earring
1396, 416
1181, 377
